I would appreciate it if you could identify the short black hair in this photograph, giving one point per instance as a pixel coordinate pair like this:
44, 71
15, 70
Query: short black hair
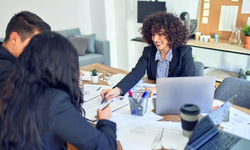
25, 23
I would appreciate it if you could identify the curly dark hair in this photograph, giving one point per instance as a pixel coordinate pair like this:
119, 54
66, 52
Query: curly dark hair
175, 31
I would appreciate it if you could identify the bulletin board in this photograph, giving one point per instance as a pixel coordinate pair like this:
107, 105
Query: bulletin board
212, 25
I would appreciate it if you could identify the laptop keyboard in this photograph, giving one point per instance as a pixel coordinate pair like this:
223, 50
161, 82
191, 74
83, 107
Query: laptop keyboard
221, 141
204, 125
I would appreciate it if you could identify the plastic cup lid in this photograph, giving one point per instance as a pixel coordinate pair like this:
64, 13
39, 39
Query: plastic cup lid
190, 109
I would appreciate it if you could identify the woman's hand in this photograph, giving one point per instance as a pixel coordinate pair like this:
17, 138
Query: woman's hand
110, 93
152, 91
104, 114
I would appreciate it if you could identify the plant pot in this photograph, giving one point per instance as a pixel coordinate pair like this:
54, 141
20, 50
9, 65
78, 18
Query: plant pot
94, 79
246, 46
241, 76
247, 40
248, 77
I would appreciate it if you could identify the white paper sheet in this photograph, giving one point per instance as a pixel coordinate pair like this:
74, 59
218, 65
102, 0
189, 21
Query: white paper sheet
245, 9
123, 118
92, 91
239, 122
228, 17
91, 106
142, 136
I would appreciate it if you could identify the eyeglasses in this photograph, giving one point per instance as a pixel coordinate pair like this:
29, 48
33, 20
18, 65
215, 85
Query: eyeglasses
157, 140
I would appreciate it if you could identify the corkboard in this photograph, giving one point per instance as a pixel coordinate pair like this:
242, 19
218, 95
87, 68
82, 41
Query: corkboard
211, 27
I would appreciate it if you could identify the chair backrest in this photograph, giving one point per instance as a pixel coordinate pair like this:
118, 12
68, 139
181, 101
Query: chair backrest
231, 86
199, 68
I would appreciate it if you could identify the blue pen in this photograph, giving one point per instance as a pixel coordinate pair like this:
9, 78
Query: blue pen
103, 100
144, 95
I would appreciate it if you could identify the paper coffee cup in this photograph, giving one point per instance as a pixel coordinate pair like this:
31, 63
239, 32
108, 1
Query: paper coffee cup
189, 118
197, 35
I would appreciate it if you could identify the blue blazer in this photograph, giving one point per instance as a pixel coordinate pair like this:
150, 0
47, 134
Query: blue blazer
62, 122
182, 64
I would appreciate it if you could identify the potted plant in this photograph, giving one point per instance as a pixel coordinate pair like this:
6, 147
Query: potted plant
248, 75
246, 32
94, 75
241, 74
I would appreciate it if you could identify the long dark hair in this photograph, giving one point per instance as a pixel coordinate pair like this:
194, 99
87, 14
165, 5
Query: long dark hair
49, 60
175, 31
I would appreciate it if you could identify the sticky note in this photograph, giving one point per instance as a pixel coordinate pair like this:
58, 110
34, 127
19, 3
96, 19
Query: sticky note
206, 5
204, 20
205, 12
206, 0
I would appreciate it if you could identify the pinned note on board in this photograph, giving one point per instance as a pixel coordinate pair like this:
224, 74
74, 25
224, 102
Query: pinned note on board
204, 20
226, 21
206, 5
205, 12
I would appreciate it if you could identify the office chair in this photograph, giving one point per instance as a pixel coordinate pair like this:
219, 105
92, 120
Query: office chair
199, 68
231, 86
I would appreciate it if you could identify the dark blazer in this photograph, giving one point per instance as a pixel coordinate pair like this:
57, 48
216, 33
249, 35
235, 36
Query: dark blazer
7, 63
182, 64
62, 122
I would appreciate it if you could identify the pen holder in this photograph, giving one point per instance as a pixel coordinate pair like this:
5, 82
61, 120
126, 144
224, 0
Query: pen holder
138, 106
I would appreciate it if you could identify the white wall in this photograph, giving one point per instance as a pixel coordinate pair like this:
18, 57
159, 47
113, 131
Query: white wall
60, 14
222, 60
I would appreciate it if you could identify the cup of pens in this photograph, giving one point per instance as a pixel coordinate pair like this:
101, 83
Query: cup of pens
138, 105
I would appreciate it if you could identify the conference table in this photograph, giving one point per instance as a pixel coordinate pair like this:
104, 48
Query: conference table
109, 71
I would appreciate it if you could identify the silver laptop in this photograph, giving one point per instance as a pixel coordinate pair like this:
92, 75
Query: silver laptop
173, 92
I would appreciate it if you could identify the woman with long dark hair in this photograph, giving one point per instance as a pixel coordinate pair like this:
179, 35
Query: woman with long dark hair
41, 107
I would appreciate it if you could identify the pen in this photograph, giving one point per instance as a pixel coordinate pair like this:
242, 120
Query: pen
107, 105
98, 89
103, 99
130, 93
144, 95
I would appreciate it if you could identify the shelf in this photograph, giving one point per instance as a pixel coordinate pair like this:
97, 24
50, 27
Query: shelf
220, 74
220, 46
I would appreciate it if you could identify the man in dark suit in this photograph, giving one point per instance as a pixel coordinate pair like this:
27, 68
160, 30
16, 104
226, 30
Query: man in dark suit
166, 56
21, 28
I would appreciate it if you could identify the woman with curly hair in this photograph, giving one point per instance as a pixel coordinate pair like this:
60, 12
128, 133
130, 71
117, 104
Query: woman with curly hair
166, 56
41, 108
